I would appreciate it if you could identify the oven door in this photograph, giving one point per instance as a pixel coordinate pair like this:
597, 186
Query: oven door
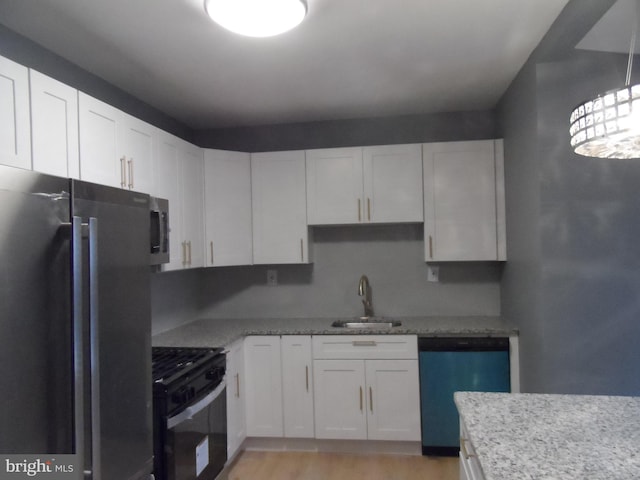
196, 440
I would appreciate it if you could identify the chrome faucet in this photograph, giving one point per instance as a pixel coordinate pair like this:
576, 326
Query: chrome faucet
364, 290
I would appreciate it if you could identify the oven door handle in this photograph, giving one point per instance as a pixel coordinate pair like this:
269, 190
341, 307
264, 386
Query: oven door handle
192, 410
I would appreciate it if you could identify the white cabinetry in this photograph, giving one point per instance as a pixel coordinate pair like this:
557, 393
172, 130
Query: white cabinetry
178, 174
54, 126
227, 193
236, 423
116, 149
366, 387
297, 386
380, 184
280, 232
263, 386
464, 201
15, 134
470, 468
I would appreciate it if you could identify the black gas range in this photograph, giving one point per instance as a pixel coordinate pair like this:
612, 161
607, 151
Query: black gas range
189, 412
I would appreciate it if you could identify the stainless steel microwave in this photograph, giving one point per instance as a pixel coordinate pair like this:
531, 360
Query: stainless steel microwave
159, 230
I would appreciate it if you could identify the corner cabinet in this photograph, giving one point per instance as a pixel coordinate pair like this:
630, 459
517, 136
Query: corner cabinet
380, 184
263, 386
280, 232
366, 387
15, 134
227, 200
464, 204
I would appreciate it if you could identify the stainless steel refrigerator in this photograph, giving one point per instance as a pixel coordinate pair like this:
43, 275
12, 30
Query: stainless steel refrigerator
75, 346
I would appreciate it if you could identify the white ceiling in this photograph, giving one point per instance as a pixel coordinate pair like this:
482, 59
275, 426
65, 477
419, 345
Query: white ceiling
348, 59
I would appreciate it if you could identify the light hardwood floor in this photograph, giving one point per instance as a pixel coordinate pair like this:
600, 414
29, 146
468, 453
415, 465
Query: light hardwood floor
253, 465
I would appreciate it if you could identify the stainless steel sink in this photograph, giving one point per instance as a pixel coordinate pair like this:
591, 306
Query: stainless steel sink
366, 323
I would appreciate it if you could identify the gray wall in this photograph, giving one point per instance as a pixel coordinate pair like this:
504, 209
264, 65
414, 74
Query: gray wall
572, 279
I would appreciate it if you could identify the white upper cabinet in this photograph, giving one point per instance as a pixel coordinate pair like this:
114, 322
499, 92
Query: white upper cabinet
334, 186
54, 126
380, 184
15, 134
393, 183
191, 161
116, 149
227, 194
178, 172
280, 233
464, 201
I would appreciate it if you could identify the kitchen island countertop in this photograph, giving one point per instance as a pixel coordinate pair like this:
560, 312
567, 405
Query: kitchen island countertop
559, 437
223, 332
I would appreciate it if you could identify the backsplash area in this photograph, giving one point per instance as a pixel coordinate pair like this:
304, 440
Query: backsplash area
392, 256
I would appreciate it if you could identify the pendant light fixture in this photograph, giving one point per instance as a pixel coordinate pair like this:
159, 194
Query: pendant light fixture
257, 18
608, 126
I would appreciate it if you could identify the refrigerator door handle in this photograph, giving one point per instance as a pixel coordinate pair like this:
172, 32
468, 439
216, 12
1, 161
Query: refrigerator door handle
95, 352
81, 288
78, 341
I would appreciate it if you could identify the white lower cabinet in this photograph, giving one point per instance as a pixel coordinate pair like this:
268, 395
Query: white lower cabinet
469, 464
263, 386
236, 423
297, 386
366, 397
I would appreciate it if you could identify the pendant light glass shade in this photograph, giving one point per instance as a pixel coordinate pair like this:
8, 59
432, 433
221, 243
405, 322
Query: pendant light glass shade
608, 126
257, 18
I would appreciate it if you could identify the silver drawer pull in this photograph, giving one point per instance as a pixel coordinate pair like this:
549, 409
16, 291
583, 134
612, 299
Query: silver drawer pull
364, 343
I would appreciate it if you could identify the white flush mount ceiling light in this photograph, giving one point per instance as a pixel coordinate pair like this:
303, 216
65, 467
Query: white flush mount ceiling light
608, 126
257, 18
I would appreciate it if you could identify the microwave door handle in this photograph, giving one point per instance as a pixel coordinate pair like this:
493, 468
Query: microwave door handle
95, 351
78, 338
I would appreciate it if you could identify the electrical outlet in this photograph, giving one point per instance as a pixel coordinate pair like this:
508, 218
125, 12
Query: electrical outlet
433, 273
272, 277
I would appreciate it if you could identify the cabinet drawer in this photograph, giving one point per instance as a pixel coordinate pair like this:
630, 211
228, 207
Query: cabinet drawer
365, 347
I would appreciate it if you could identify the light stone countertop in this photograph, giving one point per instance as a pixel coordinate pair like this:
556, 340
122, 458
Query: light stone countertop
223, 332
553, 437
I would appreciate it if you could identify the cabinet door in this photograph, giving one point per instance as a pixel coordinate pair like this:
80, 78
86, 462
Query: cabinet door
166, 168
54, 126
15, 134
393, 184
339, 389
464, 201
191, 158
334, 186
263, 386
227, 193
136, 144
297, 386
280, 233
100, 161
393, 400
236, 423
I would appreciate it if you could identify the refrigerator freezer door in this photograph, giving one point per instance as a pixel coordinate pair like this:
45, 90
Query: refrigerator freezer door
122, 410
35, 314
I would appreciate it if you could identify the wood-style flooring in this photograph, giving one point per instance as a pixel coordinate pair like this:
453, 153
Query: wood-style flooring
253, 465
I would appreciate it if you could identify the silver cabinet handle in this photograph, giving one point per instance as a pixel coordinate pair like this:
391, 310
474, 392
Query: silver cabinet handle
130, 162
368, 209
364, 343
301, 250
361, 409
189, 244
430, 246
237, 385
211, 245
463, 447
184, 254
371, 399
306, 368
123, 172
359, 210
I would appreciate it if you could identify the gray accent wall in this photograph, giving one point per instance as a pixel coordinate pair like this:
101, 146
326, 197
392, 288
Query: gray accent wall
572, 280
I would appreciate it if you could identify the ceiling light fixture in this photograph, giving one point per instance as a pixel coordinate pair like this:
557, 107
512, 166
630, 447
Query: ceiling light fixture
608, 126
257, 18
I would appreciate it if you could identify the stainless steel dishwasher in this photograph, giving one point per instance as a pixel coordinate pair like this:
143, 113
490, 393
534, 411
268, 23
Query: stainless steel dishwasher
454, 364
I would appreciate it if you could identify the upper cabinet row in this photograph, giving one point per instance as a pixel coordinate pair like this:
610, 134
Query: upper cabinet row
234, 208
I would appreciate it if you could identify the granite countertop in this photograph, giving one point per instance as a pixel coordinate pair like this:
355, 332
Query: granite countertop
223, 332
553, 437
